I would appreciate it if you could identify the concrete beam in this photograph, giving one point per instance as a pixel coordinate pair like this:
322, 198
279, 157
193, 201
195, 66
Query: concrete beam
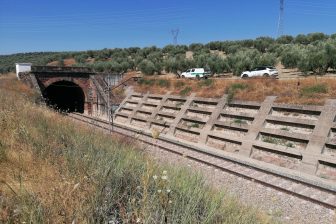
213, 118
180, 114
256, 126
319, 137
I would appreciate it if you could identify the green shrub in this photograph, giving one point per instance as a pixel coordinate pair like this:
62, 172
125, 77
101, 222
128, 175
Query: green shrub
81, 58
310, 91
270, 139
194, 125
234, 87
206, 83
149, 82
284, 129
290, 145
239, 121
179, 84
237, 86
185, 91
163, 83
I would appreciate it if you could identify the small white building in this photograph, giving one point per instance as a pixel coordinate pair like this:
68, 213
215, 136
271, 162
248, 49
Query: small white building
22, 67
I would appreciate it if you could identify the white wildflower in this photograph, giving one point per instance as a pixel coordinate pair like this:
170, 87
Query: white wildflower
76, 186
159, 191
170, 201
164, 177
155, 177
164, 172
168, 190
138, 220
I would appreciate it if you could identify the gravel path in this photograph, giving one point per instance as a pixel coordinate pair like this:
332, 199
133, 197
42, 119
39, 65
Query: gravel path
282, 207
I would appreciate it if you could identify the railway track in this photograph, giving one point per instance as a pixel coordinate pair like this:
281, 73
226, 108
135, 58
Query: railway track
309, 192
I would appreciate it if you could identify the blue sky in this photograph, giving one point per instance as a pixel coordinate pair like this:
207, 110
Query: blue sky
67, 25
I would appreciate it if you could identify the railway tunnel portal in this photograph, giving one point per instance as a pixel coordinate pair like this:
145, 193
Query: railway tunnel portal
68, 89
65, 96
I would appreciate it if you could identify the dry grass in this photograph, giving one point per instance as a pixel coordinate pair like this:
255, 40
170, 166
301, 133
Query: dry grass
287, 91
26, 176
9, 82
55, 171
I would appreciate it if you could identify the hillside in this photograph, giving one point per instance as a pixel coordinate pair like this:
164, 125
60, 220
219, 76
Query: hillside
311, 53
53, 170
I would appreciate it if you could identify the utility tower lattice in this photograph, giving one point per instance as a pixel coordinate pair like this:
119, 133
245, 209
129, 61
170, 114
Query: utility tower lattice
175, 33
281, 15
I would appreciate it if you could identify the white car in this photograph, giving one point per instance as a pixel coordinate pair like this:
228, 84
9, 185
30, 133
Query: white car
265, 71
195, 73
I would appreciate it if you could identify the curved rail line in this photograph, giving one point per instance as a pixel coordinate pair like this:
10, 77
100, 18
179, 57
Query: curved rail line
305, 191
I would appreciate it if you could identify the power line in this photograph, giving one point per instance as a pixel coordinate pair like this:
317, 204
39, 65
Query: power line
313, 14
107, 20
312, 4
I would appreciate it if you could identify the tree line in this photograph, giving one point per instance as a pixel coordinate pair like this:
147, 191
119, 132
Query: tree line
315, 52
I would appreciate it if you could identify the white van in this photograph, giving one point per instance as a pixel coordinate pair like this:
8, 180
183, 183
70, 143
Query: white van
196, 73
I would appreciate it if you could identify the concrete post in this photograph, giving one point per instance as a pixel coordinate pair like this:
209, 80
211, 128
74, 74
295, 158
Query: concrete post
180, 114
213, 118
157, 109
256, 126
144, 98
319, 137
123, 102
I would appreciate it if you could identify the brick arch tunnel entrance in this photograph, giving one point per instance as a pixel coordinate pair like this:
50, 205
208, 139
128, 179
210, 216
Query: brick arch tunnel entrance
65, 96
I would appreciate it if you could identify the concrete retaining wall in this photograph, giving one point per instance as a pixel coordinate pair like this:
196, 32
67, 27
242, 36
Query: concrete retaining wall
294, 137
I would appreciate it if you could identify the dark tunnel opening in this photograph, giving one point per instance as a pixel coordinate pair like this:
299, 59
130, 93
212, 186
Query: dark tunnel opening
65, 96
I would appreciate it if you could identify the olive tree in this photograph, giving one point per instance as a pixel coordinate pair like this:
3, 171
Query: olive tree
171, 65
285, 39
330, 53
313, 60
243, 60
147, 67
291, 56
218, 65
